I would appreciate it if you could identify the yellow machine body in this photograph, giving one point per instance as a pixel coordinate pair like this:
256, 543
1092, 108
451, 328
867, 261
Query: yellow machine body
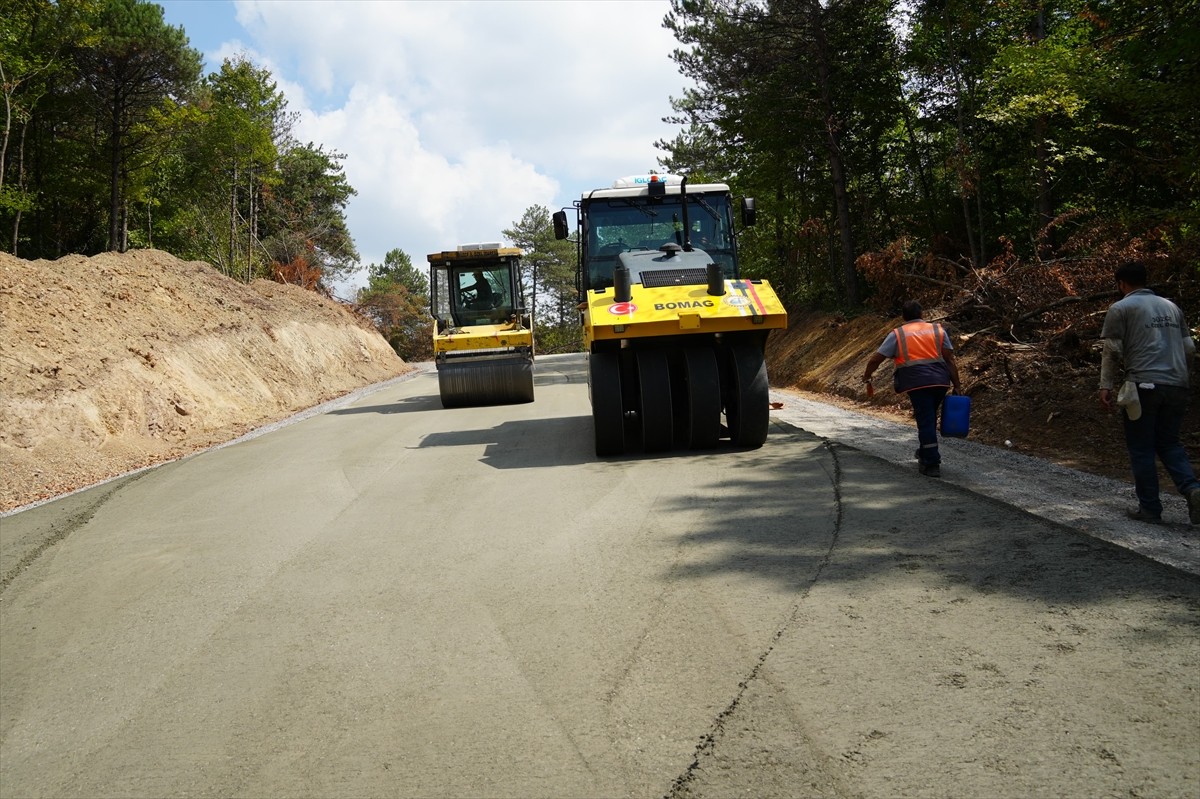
746, 306
675, 337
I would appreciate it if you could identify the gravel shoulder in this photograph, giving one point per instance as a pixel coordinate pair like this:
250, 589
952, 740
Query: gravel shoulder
1086, 502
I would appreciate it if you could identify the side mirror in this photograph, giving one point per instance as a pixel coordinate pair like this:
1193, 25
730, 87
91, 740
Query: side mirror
748, 211
560, 225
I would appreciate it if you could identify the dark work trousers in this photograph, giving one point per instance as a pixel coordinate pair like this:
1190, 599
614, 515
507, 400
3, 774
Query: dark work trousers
925, 404
1156, 433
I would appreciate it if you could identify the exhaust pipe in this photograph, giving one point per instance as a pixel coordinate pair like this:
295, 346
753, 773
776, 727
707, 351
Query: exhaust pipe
716, 280
622, 284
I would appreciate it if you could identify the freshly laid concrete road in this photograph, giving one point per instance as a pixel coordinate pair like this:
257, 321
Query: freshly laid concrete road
392, 599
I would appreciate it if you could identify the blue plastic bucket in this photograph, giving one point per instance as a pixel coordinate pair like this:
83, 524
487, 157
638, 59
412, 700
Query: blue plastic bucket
956, 416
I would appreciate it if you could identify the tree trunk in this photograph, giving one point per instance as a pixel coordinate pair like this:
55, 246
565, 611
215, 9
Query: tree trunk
16, 230
837, 169
114, 188
250, 226
124, 246
533, 277
231, 264
7, 123
918, 163
780, 246
1045, 205
983, 253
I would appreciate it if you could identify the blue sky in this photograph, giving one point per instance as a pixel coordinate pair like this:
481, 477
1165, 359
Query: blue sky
457, 115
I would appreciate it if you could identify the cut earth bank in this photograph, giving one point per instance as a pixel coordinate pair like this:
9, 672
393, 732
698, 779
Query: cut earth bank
119, 361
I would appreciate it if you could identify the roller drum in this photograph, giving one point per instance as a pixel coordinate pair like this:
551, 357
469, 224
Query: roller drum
491, 381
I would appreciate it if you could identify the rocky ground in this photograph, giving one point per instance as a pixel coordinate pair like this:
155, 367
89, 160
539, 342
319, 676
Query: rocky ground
119, 361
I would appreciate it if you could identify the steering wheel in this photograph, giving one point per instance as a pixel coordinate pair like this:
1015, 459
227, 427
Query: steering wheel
612, 248
464, 296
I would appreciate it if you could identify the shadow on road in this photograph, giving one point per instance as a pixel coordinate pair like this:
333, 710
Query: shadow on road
802, 510
525, 443
559, 441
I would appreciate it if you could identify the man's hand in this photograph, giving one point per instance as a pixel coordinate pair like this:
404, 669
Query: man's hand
1106, 399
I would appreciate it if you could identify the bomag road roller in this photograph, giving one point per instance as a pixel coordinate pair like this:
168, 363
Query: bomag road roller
482, 335
674, 337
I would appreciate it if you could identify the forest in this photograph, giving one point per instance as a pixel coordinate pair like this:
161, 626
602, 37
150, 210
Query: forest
997, 157
113, 140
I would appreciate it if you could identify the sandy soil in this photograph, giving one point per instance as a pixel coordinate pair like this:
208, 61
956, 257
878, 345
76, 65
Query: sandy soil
119, 361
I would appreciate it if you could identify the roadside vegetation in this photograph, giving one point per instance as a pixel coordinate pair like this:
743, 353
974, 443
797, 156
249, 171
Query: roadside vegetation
994, 159
113, 140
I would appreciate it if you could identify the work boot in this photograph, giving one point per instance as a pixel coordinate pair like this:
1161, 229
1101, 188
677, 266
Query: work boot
932, 469
1193, 499
1140, 514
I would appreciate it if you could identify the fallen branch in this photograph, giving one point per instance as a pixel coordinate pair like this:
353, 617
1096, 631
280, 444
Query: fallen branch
1060, 302
928, 279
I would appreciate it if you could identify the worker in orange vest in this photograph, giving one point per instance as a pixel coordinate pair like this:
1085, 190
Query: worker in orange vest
925, 369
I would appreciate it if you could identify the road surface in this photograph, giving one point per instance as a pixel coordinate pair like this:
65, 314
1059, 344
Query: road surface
393, 599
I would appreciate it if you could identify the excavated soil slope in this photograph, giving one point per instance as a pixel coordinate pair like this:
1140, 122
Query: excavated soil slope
117, 361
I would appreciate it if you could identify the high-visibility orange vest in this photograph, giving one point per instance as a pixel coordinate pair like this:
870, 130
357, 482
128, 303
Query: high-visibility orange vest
918, 343
919, 360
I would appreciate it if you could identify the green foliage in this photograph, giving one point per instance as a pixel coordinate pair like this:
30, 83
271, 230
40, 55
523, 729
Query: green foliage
136, 63
223, 161
550, 339
397, 270
111, 139
304, 213
548, 278
36, 41
396, 299
791, 97
13, 200
958, 133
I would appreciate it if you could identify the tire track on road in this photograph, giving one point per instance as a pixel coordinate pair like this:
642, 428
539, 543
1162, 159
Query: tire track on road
61, 530
716, 730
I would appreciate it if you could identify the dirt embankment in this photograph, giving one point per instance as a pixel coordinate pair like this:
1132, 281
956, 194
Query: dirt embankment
117, 361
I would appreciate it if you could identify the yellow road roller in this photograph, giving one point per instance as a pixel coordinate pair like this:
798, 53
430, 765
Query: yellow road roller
675, 338
482, 334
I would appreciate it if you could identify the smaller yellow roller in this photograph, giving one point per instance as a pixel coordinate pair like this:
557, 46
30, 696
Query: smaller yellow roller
482, 334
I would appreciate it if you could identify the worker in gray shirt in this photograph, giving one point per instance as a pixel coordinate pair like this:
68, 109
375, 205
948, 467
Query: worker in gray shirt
1146, 336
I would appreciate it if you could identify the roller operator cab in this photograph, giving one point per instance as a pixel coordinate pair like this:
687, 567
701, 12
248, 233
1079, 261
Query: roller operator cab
482, 334
675, 338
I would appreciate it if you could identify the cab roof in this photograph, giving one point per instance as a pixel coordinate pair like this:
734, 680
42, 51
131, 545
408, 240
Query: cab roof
639, 186
475, 252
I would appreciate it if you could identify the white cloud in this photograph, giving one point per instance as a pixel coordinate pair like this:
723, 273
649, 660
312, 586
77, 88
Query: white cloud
412, 197
456, 116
